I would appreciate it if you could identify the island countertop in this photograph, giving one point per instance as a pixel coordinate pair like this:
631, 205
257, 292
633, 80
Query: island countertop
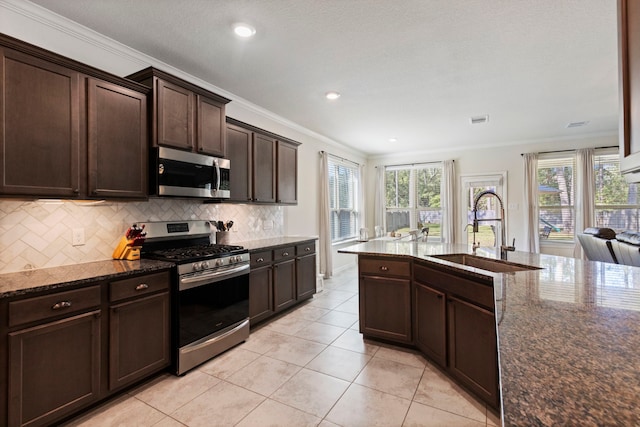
568, 335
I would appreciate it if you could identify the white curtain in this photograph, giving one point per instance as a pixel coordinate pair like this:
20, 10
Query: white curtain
585, 190
448, 201
362, 199
325, 250
531, 202
379, 202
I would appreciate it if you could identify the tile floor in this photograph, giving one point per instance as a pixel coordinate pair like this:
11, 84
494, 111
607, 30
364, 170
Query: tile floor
309, 367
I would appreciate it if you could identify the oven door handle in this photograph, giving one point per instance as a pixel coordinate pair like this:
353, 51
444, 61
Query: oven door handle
218, 177
203, 279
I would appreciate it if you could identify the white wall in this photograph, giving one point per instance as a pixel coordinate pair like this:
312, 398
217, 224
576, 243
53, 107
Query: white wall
506, 158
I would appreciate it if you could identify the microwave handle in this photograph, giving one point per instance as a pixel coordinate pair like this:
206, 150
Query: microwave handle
218, 174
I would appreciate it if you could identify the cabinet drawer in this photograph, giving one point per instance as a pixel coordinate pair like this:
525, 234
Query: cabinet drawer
284, 253
260, 259
306, 249
47, 306
138, 286
384, 267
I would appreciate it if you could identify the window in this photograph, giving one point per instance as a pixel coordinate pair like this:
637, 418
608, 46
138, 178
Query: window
616, 201
412, 195
556, 197
344, 184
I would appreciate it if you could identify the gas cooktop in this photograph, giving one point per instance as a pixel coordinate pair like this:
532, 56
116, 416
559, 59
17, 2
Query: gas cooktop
196, 252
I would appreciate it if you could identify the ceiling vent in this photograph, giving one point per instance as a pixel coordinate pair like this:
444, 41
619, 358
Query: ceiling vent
479, 119
577, 124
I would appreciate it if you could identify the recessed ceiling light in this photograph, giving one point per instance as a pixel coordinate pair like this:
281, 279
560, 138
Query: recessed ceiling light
244, 30
479, 119
393, 140
332, 95
578, 124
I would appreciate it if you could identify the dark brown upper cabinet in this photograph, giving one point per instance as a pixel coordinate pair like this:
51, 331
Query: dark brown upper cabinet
264, 166
184, 116
629, 81
68, 130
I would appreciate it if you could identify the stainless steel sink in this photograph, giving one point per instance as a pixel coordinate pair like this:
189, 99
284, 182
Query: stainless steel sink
494, 265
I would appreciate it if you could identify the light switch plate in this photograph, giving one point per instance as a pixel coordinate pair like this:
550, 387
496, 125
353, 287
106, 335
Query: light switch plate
77, 238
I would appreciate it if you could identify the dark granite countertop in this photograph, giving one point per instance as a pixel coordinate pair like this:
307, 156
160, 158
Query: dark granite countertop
31, 281
568, 334
260, 244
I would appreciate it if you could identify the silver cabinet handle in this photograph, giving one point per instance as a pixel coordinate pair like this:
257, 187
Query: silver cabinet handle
285, 253
383, 268
142, 287
60, 305
307, 249
260, 260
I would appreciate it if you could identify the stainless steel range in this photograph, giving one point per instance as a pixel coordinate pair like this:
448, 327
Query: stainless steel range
211, 294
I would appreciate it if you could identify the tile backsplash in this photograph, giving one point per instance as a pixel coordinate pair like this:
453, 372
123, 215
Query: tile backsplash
38, 234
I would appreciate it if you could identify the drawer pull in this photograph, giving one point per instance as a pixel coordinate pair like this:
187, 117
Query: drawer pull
383, 268
60, 305
142, 287
260, 260
285, 253
307, 249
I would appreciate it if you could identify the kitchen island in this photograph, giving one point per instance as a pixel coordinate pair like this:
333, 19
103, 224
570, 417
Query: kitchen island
568, 333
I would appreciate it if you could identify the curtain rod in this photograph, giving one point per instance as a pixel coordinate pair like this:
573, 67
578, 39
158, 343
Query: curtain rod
412, 164
341, 158
572, 149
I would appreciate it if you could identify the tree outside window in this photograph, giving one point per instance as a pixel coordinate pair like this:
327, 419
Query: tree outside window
616, 201
344, 181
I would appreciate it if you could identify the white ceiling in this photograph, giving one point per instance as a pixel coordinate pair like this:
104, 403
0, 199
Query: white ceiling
416, 70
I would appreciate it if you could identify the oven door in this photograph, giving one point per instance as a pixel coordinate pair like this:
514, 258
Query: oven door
211, 303
185, 174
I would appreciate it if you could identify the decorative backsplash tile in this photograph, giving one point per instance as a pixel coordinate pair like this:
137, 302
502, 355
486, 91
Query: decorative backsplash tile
38, 234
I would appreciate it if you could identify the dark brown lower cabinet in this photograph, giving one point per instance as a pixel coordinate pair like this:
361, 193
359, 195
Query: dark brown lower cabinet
260, 293
385, 308
284, 284
430, 322
139, 339
305, 276
54, 369
473, 348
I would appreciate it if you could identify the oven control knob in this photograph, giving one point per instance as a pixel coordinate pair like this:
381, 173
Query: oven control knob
238, 258
197, 266
219, 262
204, 265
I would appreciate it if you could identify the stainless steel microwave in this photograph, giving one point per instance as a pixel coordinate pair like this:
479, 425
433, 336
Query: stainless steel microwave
184, 174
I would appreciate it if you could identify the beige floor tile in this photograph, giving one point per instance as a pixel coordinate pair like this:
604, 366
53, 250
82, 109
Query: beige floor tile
295, 350
309, 312
326, 423
288, 325
229, 362
436, 390
421, 415
319, 332
339, 363
223, 405
356, 326
350, 306
364, 407
339, 318
125, 411
327, 303
353, 340
274, 414
169, 392
168, 422
401, 355
262, 340
493, 419
264, 375
390, 377
338, 294
311, 392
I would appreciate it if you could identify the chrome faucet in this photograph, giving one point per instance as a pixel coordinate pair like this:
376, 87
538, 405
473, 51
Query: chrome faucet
503, 233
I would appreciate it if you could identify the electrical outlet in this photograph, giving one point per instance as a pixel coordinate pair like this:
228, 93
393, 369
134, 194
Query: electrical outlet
77, 238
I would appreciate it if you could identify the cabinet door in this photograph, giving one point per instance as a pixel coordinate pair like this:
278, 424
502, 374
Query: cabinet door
211, 136
239, 153
117, 141
54, 369
260, 294
305, 276
385, 308
264, 160
39, 127
284, 284
174, 116
473, 354
139, 339
629, 61
429, 321
286, 178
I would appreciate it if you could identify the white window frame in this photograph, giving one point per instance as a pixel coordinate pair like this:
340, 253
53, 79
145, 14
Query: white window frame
357, 188
557, 156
